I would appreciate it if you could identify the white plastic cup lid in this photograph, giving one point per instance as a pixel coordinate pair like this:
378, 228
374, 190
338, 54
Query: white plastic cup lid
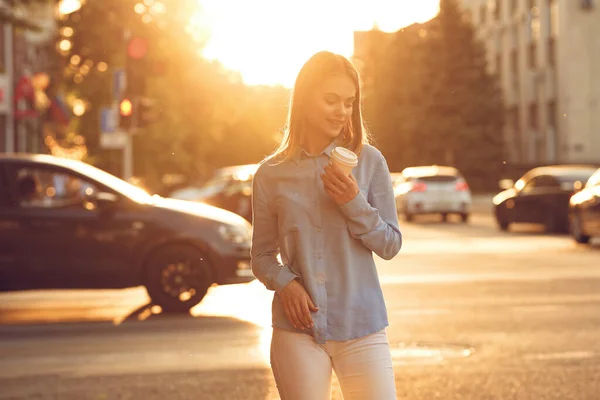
344, 155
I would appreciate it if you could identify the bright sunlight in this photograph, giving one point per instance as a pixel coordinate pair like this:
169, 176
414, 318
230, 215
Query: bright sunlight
267, 41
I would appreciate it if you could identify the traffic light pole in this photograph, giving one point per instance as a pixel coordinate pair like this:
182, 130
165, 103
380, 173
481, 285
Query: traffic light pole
128, 148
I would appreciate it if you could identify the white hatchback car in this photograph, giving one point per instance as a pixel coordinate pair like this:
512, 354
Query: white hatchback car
432, 190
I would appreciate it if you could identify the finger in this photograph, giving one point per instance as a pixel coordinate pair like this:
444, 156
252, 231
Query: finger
333, 193
295, 320
311, 305
332, 187
339, 173
332, 179
305, 312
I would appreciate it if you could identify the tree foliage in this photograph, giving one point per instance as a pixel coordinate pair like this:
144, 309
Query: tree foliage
433, 102
208, 117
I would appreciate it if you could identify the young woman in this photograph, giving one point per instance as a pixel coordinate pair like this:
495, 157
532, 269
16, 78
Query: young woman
328, 308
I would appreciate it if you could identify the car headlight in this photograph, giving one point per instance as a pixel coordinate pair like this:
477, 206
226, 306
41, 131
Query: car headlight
236, 234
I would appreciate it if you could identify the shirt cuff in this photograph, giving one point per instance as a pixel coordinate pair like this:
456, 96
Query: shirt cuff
356, 206
283, 278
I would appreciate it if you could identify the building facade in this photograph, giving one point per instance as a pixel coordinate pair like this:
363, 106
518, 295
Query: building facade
26, 58
547, 56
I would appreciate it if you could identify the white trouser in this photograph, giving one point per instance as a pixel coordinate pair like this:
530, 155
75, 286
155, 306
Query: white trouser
302, 368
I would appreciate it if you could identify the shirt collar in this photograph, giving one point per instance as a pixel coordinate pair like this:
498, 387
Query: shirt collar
300, 152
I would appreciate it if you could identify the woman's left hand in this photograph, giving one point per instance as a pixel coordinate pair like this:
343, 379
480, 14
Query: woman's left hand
339, 187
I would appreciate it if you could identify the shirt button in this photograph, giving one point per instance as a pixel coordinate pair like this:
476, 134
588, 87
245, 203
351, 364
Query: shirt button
319, 256
319, 229
321, 282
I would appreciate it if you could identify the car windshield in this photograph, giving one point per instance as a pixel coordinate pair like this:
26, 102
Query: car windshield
118, 185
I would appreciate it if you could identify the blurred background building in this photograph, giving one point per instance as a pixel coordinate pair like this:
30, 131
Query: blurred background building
547, 54
28, 63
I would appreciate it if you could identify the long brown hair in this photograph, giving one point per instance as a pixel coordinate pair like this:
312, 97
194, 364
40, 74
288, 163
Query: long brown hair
318, 68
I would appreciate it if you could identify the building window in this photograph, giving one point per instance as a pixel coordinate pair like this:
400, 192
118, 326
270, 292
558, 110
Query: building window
533, 116
499, 65
554, 15
513, 115
551, 51
483, 14
532, 4
498, 10
514, 7
532, 55
514, 62
552, 118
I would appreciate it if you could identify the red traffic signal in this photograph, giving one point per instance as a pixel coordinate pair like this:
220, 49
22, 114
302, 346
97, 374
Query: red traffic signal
137, 48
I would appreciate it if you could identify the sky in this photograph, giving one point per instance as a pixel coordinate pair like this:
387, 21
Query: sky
268, 41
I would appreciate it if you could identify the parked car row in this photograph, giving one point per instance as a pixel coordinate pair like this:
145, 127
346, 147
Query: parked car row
563, 198
544, 195
66, 224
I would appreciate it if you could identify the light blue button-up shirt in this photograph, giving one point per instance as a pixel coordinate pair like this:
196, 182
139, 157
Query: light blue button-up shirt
327, 247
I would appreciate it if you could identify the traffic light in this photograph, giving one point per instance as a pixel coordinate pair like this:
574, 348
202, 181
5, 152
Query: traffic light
147, 112
137, 113
126, 114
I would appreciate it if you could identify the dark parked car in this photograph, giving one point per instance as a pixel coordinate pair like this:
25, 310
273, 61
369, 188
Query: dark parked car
66, 224
584, 211
541, 196
230, 188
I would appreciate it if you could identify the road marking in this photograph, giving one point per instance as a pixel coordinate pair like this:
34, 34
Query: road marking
540, 308
566, 355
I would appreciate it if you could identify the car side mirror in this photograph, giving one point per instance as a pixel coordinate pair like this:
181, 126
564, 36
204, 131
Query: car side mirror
506, 184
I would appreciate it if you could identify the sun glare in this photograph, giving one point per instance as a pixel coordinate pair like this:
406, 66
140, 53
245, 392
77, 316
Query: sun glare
267, 41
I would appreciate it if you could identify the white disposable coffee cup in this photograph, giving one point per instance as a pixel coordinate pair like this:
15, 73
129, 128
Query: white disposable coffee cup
345, 159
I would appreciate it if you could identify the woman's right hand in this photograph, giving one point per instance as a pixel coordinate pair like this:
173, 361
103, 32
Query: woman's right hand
297, 305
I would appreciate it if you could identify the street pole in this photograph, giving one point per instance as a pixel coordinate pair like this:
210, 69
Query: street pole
128, 149
10, 73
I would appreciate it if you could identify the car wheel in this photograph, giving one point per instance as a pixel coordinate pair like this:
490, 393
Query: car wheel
408, 216
464, 217
444, 217
576, 230
502, 218
177, 277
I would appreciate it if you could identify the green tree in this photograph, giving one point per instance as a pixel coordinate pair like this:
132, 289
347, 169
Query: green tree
207, 116
436, 103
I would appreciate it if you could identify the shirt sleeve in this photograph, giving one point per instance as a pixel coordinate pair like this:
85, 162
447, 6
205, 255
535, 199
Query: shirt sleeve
266, 266
375, 222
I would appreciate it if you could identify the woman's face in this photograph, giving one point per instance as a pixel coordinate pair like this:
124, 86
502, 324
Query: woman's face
330, 107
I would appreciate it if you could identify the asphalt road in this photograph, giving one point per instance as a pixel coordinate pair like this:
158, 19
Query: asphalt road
475, 314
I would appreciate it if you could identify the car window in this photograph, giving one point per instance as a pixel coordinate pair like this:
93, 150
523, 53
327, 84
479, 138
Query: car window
547, 182
40, 187
531, 185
